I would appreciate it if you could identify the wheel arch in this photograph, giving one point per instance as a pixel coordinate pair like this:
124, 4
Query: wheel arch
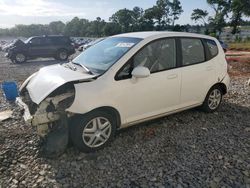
24, 52
111, 110
222, 86
108, 109
61, 49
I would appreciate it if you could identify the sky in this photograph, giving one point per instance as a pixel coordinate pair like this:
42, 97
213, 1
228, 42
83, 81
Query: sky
14, 12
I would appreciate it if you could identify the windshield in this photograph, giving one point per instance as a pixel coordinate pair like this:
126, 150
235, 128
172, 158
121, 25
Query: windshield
101, 56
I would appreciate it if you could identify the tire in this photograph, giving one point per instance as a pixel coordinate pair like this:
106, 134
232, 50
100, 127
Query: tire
92, 131
19, 57
213, 99
56, 142
62, 55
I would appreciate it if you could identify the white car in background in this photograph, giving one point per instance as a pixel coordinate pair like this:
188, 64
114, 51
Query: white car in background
121, 81
85, 46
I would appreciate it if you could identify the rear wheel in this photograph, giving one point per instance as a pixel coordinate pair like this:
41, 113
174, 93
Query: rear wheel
92, 131
62, 55
213, 99
19, 58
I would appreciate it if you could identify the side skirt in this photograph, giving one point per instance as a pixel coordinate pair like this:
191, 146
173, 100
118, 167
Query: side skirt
158, 116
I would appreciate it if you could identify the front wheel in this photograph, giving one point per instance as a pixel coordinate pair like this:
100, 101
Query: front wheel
92, 131
19, 58
213, 99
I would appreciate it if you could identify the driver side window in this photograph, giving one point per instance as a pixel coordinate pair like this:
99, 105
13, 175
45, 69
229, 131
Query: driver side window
157, 56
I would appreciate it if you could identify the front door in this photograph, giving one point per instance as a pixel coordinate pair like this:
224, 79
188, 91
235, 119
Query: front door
159, 93
40, 47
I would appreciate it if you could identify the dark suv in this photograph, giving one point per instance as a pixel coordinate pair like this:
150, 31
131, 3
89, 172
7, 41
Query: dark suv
59, 47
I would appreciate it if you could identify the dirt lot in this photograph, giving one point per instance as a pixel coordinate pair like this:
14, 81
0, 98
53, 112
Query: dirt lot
188, 149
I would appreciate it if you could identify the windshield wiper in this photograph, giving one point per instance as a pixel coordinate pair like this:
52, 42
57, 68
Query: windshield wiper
87, 70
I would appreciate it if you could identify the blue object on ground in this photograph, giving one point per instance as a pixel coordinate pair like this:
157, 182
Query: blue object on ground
10, 90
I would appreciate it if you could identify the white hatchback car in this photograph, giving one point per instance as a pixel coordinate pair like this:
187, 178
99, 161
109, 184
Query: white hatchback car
121, 81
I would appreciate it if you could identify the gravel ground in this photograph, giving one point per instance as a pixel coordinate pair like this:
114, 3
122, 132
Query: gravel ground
188, 149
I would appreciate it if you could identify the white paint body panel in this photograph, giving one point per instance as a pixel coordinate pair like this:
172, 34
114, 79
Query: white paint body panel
136, 99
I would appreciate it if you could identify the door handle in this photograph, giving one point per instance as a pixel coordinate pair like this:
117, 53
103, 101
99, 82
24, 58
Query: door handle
172, 76
209, 68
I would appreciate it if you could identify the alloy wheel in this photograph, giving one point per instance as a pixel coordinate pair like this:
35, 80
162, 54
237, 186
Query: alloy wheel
214, 99
96, 132
63, 55
20, 57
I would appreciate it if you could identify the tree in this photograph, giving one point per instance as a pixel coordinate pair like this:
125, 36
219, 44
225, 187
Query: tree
84, 27
138, 18
56, 27
158, 15
200, 15
221, 8
95, 28
124, 18
175, 10
239, 8
73, 28
148, 20
111, 28
162, 13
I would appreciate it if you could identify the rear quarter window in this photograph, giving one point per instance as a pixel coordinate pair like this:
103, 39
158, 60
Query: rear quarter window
192, 51
60, 40
212, 48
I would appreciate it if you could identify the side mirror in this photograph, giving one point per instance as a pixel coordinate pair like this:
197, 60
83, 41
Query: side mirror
140, 72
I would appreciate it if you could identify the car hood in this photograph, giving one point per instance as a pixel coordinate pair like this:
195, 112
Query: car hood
15, 44
48, 79
18, 43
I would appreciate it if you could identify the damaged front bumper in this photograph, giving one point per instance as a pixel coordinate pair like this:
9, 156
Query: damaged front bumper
26, 114
47, 113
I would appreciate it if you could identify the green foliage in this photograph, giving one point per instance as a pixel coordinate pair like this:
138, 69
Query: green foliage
176, 10
125, 19
212, 34
199, 15
221, 9
239, 8
56, 27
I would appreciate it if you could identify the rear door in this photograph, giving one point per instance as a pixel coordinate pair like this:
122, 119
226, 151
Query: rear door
198, 72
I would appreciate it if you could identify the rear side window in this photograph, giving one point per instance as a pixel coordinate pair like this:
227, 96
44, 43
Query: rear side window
192, 51
45, 41
60, 40
212, 47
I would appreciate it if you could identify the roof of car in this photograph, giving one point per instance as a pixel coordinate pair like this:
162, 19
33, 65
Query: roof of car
144, 35
42, 36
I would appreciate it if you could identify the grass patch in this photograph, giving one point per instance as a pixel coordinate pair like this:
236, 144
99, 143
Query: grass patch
240, 46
